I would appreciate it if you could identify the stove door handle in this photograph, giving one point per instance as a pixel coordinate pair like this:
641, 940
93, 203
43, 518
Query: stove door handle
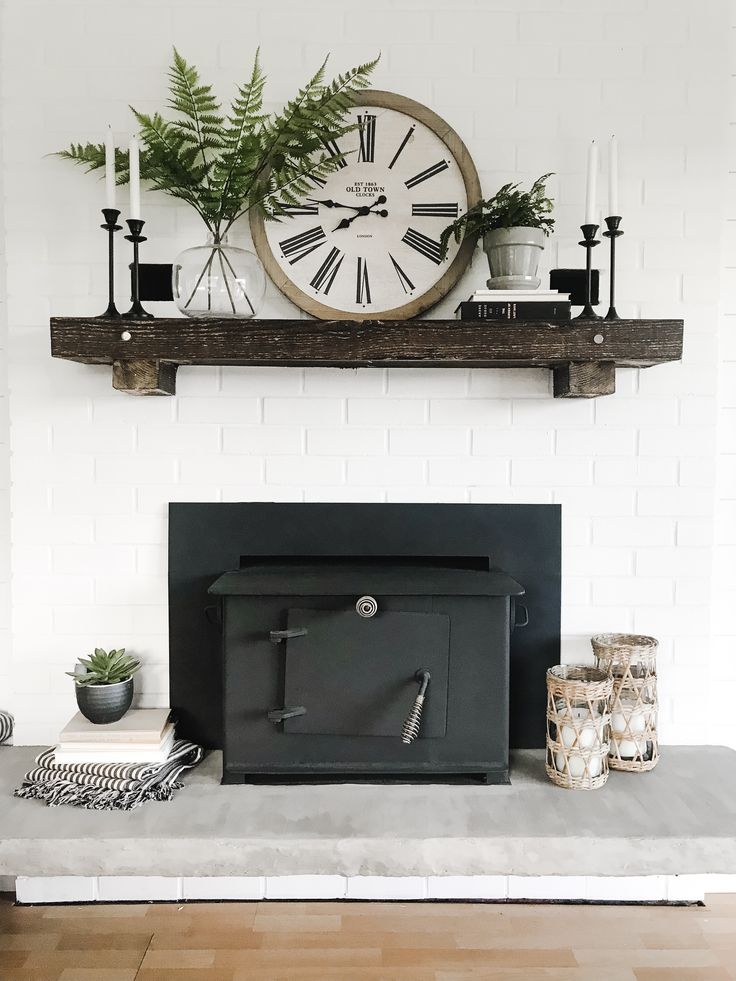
276, 636
281, 715
521, 615
413, 721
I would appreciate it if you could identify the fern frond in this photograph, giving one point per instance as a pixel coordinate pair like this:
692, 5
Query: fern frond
202, 122
224, 164
238, 161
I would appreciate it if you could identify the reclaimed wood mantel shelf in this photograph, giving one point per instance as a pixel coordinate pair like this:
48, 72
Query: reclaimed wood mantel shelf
582, 354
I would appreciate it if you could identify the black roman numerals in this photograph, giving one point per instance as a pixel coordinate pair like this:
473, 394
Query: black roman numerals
334, 151
296, 247
403, 143
367, 134
325, 275
403, 278
424, 245
444, 210
424, 175
317, 181
292, 210
362, 286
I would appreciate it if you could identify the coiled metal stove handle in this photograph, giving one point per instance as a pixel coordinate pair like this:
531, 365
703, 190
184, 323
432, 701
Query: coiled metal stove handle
413, 722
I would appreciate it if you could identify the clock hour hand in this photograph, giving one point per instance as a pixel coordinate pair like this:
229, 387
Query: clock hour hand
346, 222
365, 210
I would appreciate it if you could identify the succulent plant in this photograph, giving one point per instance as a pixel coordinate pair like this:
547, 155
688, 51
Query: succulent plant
105, 668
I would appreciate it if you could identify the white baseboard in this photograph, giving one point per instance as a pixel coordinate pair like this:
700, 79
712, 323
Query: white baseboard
647, 889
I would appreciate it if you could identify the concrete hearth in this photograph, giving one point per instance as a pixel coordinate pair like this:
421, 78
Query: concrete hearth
679, 819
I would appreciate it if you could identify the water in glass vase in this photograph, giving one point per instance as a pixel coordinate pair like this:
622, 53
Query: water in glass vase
218, 280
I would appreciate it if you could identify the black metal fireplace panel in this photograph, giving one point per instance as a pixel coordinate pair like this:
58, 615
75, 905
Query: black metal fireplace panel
207, 539
355, 676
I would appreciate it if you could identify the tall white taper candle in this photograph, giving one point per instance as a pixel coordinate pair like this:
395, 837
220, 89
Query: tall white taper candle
109, 169
135, 178
591, 216
613, 177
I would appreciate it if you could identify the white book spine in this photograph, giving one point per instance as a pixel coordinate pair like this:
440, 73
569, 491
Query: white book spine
63, 758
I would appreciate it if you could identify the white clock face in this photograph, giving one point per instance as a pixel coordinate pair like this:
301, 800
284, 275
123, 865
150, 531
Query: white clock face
366, 240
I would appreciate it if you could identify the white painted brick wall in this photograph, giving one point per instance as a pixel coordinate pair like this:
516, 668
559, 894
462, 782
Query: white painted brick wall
633, 888
93, 471
722, 675
5, 600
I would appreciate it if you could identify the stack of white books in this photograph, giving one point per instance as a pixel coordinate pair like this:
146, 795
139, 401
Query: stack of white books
141, 736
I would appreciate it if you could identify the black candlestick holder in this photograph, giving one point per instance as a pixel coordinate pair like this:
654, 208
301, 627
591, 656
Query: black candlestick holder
111, 226
136, 227
614, 232
589, 243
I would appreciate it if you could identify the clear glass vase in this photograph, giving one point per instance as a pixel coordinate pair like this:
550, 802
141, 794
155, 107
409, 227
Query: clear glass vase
218, 280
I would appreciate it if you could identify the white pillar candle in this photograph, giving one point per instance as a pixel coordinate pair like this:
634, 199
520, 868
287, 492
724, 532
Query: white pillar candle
582, 728
576, 765
629, 748
590, 187
613, 178
109, 169
636, 718
135, 178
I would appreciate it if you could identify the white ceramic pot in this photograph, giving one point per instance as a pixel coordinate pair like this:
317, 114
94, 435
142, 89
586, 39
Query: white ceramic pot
513, 257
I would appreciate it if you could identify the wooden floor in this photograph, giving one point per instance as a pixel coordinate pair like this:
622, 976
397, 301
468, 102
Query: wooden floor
367, 942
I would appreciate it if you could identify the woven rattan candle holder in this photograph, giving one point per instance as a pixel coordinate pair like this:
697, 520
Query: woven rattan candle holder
631, 660
578, 726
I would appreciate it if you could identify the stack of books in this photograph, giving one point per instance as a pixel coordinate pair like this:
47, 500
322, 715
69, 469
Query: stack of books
141, 736
515, 305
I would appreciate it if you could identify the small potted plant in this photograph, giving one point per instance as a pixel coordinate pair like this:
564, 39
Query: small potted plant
104, 684
513, 225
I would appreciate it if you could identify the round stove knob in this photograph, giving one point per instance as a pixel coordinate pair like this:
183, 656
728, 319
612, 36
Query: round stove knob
366, 607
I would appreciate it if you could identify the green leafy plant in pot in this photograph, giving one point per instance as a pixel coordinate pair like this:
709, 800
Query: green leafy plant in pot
513, 225
223, 162
104, 684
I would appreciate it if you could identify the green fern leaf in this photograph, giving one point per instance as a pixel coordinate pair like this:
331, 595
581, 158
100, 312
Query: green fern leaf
224, 164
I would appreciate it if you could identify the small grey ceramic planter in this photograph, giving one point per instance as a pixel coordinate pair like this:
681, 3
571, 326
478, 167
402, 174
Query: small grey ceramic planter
513, 257
102, 704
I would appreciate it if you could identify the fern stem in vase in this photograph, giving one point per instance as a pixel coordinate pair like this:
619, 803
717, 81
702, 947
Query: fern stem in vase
239, 283
224, 277
205, 270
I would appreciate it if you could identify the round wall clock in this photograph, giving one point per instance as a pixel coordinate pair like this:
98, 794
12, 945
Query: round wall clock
365, 243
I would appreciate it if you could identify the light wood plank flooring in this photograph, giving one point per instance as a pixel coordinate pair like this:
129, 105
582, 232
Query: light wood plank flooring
367, 942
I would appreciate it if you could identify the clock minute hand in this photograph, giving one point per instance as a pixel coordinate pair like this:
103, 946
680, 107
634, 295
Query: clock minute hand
333, 204
365, 210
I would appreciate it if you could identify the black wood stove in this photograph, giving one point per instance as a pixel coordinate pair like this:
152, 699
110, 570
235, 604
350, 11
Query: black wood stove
362, 641
367, 665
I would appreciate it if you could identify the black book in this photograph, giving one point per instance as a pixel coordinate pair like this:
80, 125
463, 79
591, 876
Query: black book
521, 310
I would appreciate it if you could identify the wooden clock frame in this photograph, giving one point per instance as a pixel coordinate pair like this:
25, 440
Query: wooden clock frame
400, 103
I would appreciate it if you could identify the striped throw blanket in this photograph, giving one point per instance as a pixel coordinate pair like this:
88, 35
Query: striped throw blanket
6, 726
107, 786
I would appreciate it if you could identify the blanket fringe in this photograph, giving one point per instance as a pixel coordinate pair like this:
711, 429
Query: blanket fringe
58, 792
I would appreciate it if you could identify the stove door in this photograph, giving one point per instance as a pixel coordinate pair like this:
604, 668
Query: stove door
355, 676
